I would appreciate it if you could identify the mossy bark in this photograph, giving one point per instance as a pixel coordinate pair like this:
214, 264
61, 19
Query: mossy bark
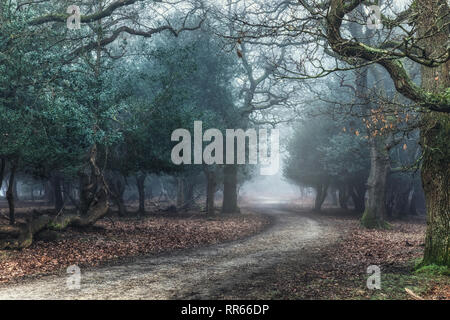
435, 135
435, 180
22, 236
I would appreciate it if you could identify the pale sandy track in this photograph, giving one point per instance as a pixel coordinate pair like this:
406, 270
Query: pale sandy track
212, 272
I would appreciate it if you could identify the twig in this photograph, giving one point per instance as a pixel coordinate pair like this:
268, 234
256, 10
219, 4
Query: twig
112, 221
415, 296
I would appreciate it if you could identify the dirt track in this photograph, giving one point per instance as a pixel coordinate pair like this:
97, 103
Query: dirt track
229, 270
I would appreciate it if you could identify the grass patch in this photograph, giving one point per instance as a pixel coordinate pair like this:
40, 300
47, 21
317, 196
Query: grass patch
433, 270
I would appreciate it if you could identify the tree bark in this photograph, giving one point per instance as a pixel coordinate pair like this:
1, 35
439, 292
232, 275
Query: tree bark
140, 183
435, 136
14, 190
321, 194
117, 187
358, 192
435, 180
229, 202
87, 191
49, 195
21, 236
56, 186
375, 211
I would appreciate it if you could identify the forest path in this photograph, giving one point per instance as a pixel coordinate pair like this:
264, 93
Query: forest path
239, 269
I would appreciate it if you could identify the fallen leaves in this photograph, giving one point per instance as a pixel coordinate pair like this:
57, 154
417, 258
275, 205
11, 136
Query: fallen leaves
339, 270
126, 237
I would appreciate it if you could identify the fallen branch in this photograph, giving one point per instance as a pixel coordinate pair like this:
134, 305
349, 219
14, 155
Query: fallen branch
412, 294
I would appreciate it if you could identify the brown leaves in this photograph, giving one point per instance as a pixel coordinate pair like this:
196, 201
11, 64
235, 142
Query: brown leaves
381, 121
339, 270
128, 237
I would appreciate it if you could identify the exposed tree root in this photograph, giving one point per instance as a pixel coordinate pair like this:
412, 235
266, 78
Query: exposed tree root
21, 236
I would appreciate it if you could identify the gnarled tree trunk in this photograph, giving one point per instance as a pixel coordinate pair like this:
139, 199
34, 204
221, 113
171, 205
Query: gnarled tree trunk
435, 134
87, 191
21, 236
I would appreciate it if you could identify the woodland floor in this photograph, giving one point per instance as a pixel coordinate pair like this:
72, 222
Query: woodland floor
338, 270
299, 255
116, 238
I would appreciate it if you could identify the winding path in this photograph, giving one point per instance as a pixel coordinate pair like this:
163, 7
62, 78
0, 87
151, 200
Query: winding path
221, 271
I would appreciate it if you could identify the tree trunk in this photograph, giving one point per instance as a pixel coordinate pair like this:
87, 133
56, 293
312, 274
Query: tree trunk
343, 196
358, 192
21, 236
49, 195
10, 193
121, 205
435, 180
375, 211
321, 194
412, 206
334, 199
14, 190
189, 193
87, 187
435, 136
56, 186
210, 191
229, 202
2, 171
140, 183
117, 188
